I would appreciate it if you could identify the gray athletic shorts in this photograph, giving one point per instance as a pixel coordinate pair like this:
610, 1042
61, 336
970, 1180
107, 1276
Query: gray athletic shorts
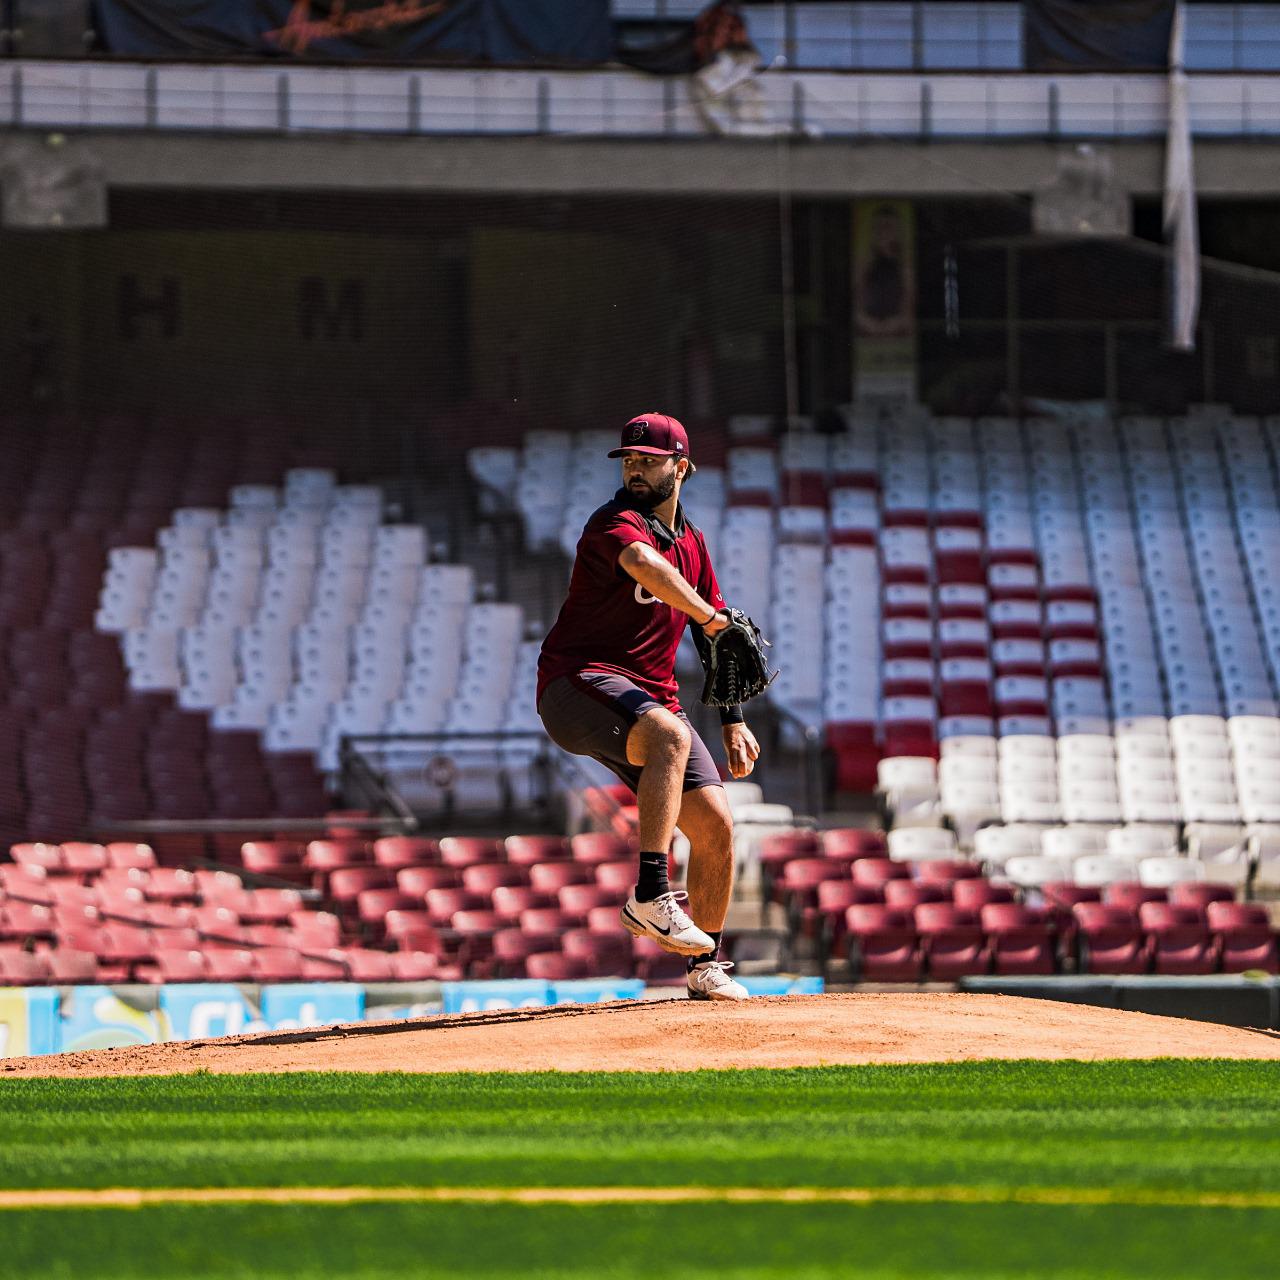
591, 713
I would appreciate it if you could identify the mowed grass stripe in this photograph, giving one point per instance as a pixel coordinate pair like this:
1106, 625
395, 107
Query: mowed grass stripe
1199, 1127
141, 1197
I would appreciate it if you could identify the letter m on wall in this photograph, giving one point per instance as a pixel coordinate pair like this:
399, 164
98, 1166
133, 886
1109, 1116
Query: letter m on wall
330, 311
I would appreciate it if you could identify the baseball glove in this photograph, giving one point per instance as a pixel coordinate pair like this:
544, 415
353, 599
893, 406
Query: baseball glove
735, 662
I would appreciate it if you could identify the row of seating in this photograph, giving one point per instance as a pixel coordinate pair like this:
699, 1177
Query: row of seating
76, 742
943, 942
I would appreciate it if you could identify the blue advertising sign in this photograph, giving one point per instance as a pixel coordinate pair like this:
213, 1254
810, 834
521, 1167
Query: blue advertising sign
198, 1010
103, 1018
311, 1004
595, 990
514, 993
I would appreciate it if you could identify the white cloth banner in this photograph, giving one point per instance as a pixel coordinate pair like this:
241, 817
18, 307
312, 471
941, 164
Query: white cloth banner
1181, 227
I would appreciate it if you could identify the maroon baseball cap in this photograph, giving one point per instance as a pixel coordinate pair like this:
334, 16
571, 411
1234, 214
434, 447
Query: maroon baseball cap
656, 433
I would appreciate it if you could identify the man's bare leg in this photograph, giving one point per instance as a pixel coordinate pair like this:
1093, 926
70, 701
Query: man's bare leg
706, 820
659, 743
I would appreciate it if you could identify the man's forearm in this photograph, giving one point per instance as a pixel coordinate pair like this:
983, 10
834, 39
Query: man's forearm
664, 581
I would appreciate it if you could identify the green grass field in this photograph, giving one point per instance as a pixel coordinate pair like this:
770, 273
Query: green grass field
1167, 1169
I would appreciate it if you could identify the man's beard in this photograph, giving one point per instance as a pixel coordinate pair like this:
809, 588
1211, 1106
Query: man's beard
653, 497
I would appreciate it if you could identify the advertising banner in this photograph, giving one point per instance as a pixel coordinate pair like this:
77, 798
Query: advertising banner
884, 300
510, 32
511, 993
311, 1004
596, 990
110, 1018
28, 1021
1097, 35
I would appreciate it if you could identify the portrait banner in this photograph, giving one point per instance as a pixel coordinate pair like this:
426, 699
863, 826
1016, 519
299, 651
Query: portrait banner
884, 300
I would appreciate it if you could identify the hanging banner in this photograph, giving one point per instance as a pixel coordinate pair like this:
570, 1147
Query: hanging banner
512, 32
884, 300
1096, 35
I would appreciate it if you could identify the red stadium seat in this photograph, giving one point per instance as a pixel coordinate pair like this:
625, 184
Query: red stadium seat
551, 877
874, 872
547, 920
1110, 939
422, 966
229, 964
83, 859
1179, 938
22, 969
906, 895
524, 851
1019, 939
279, 858
69, 967
373, 905
509, 901
276, 964
268, 906
400, 923
602, 919
124, 854
469, 851
406, 851
946, 871
655, 966
1199, 893
512, 947
607, 955
579, 899
835, 897
443, 904
48, 856
973, 895
170, 884
619, 877
953, 941
315, 930
1130, 895
484, 878
554, 966
593, 847
1244, 936
364, 965
883, 945
346, 884
20, 921
172, 965
416, 881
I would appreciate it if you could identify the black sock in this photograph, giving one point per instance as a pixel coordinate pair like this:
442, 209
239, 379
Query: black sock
652, 882
706, 955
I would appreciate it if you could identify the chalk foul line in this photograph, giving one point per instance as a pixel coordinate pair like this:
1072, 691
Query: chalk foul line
142, 1197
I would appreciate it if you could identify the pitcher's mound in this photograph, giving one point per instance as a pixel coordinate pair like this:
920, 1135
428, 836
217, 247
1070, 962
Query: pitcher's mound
682, 1035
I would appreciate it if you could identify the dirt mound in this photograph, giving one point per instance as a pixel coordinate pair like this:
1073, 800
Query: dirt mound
680, 1035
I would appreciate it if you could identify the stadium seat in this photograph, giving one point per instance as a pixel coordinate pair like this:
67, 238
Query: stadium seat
953, 941
883, 945
1020, 940
1179, 938
1244, 937
1110, 939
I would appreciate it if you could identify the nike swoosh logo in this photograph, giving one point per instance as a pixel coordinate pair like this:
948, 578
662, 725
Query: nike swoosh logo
632, 916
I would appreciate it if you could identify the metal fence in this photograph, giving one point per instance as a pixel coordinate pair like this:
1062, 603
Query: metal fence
614, 103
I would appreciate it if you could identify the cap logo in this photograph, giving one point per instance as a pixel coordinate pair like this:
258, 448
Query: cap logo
635, 432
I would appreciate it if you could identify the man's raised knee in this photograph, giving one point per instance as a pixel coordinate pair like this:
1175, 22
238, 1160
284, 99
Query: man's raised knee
658, 732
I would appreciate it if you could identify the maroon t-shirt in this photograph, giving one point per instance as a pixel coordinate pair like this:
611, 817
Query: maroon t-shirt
609, 622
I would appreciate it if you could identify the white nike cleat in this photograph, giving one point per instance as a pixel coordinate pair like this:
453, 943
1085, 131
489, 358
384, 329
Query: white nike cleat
710, 981
667, 923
